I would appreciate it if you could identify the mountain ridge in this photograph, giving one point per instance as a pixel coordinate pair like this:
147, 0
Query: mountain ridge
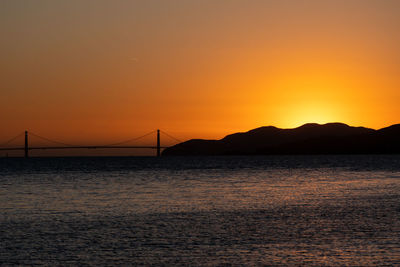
310, 138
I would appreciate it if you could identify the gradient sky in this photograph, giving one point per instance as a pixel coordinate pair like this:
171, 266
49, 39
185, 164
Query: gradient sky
100, 71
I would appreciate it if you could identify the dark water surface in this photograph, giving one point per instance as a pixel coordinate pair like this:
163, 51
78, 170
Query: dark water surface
273, 210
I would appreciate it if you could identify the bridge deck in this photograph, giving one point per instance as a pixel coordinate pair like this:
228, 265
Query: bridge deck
78, 147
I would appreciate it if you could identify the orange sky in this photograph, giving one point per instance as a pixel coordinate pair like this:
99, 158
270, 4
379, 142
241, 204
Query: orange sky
100, 71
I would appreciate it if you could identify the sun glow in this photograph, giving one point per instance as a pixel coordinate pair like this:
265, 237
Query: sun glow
313, 96
311, 112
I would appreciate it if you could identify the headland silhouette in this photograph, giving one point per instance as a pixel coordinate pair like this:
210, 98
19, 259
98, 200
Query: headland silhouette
311, 138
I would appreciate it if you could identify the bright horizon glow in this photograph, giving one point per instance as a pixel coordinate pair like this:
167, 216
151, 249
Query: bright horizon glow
311, 114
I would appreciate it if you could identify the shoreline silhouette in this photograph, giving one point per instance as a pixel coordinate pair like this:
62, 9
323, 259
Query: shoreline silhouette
311, 138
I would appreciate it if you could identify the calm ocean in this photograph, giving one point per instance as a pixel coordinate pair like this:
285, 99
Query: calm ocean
264, 210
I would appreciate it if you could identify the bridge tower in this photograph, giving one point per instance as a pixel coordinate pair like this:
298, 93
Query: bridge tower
26, 149
158, 144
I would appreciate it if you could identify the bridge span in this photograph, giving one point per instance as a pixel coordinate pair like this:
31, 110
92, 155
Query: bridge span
120, 145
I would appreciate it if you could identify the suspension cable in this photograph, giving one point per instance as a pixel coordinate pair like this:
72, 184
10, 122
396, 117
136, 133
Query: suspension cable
131, 140
12, 139
170, 136
50, 140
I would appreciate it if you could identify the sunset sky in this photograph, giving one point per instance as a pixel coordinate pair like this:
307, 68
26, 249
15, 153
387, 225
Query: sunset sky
104, 71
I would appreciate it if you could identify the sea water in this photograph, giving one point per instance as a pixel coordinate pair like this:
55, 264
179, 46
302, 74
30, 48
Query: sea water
263, 210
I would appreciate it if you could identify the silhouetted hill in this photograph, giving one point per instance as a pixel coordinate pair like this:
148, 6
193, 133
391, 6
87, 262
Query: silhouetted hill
312, 138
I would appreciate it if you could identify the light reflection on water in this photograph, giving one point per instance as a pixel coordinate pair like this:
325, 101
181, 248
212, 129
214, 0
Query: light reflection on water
326, 210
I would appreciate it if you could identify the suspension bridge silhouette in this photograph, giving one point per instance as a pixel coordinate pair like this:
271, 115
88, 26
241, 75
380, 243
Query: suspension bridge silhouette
60, 145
